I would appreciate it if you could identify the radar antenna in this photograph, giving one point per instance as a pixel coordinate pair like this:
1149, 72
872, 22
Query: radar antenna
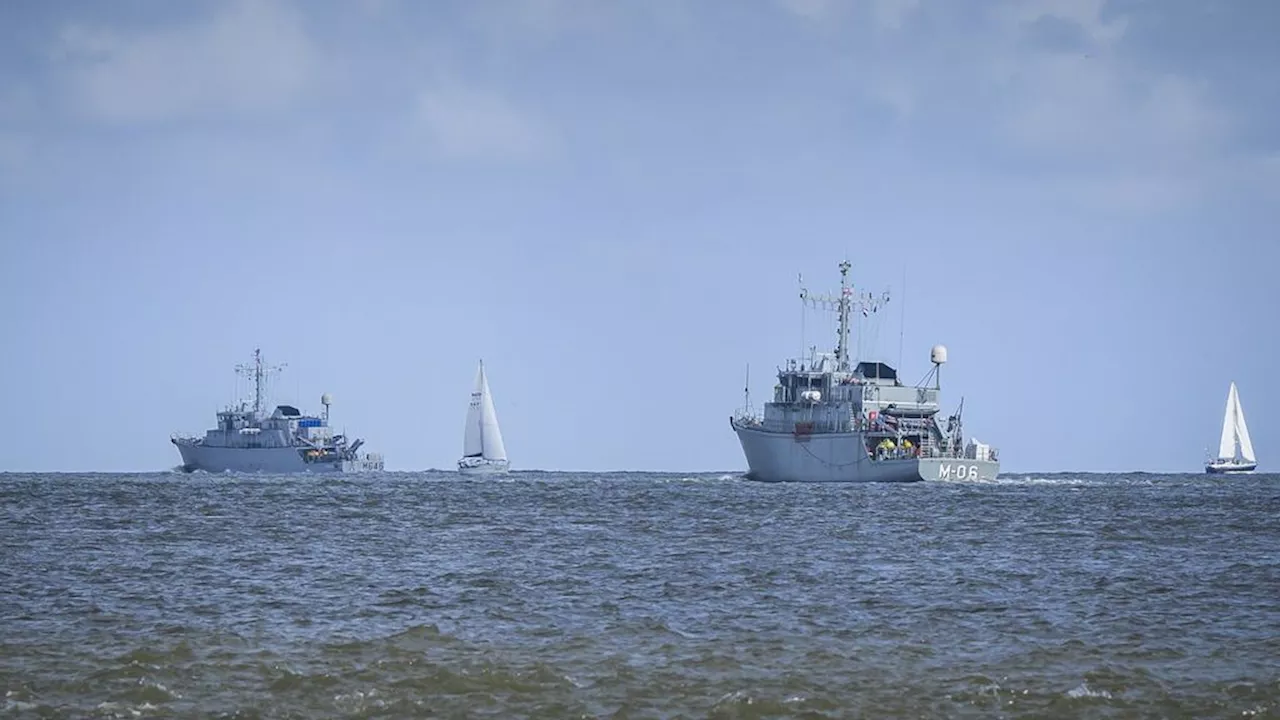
844, 304
258, 373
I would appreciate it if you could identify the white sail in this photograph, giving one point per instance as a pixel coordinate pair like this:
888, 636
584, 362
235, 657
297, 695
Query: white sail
1227, 442
1235, 432
482, 437
490, 434
472, 442
1242, 430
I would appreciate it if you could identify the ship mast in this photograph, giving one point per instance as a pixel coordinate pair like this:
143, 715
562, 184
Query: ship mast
258, 372
844, 305
846, 301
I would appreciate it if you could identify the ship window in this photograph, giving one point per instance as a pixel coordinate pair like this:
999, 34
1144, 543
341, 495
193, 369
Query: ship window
877, 370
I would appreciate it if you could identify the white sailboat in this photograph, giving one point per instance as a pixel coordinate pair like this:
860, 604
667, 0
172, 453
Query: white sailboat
1235, 449
483, 452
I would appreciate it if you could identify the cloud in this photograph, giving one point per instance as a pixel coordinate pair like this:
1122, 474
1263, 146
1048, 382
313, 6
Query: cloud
18, 119
1085, 14
811, 9
376, 7
885, 14
1058, 88
460, 121
892, 14
1111, 112
1151, 138
15, 156
253, 57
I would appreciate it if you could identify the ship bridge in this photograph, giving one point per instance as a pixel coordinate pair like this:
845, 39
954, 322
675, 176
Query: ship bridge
287, 411
878, 372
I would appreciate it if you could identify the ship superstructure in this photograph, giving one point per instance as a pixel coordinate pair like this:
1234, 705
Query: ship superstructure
834, 419
248, 439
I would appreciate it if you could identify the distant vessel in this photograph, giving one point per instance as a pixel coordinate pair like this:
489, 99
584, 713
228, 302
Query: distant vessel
1235, 449
286, 441
483, 452
835, 421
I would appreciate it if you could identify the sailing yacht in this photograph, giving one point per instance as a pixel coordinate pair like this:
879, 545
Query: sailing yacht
1235, 449
483, 452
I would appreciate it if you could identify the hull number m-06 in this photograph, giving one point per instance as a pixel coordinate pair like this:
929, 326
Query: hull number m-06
958, 472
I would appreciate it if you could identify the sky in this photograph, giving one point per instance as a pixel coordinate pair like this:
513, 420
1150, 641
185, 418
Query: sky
611, 203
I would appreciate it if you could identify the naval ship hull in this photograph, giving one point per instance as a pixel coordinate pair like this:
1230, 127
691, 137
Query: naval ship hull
279, 460
842, 457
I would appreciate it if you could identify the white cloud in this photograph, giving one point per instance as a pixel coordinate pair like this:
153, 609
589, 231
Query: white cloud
812, 9
1095, 115
1086, 14
515, 24
892, 14
463, 121
1104, 111
1150, 138
18, 118
253, 57
15, 156
376, 7
885, 14
1268, 168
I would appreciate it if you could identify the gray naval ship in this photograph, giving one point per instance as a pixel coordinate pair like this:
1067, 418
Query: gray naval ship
834, 420
249, 440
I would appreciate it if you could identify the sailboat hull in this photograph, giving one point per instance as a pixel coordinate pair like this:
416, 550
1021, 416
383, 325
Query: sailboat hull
481, 466
1230, 468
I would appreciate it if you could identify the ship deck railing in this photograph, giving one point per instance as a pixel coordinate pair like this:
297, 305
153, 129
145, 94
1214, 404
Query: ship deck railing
873, 432
843, 425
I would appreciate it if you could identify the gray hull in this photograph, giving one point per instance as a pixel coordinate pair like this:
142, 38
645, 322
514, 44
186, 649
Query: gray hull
284, 460
842, 457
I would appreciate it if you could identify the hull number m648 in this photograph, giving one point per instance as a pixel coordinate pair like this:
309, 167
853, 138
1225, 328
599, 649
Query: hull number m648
946, 471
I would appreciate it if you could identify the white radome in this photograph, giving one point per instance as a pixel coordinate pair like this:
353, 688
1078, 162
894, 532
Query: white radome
326, 399
938, 354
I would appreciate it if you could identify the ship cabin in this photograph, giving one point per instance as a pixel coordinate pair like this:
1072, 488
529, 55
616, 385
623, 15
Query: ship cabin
241, 428
816, 397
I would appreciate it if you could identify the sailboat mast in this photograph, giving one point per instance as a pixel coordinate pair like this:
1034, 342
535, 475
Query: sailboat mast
1235, 423
1233, 417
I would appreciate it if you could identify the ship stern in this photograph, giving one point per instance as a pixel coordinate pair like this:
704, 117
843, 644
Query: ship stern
961, 469
842, 457
818, 458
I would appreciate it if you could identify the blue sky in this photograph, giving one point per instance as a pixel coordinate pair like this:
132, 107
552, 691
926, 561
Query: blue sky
610, 202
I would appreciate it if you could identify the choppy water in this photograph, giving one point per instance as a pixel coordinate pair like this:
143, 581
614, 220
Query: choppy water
638, 595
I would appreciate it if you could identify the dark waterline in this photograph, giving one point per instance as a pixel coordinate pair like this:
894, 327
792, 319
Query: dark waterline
638, 595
